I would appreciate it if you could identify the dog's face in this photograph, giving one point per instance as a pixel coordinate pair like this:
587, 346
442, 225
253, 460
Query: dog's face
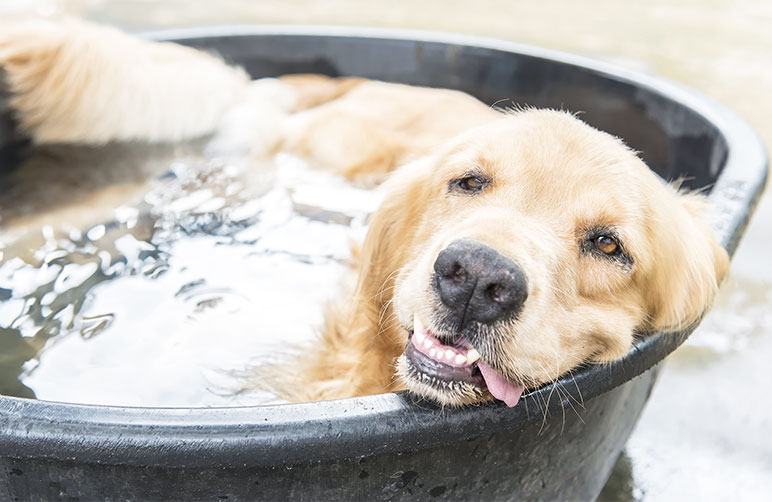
527, 247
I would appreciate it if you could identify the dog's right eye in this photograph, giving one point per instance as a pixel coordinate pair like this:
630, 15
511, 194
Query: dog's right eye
469, 184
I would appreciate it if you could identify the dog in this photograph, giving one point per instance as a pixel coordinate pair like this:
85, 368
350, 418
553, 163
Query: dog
511, 246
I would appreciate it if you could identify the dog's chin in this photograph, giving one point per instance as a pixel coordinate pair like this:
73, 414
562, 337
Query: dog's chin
444, 391
451, 372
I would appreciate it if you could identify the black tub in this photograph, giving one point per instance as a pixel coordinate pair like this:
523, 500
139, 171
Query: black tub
387, 447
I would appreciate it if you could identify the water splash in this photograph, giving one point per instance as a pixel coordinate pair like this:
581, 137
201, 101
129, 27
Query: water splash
214, 268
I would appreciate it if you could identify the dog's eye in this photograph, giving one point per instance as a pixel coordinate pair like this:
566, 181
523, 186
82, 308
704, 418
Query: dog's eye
469, 184
606, 244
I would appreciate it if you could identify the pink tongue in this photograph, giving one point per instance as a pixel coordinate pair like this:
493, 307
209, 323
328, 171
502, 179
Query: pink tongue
500, 388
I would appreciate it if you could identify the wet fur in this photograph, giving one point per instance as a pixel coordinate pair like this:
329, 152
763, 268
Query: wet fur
72, 82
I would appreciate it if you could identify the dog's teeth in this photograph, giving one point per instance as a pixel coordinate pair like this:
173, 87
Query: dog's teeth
427, 343
419, 336
471, 356
433, 352
449, 355
460, 359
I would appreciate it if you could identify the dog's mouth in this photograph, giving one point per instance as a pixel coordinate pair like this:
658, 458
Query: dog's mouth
456, 367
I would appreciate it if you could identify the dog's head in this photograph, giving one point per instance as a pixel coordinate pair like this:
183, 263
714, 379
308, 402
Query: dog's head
527, 247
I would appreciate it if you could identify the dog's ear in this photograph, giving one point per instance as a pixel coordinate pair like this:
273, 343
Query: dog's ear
391, 233
688, 266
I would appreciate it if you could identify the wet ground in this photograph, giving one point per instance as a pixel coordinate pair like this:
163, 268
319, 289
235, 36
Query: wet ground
704, 434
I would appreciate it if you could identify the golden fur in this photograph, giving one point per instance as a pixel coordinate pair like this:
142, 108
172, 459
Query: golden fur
551, 180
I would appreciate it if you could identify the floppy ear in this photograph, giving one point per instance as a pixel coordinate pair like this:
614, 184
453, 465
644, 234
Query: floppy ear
689, 265
355, 351
392, 230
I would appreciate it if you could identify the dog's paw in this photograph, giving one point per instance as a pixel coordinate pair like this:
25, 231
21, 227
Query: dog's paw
25, 44
76, 82
38, 71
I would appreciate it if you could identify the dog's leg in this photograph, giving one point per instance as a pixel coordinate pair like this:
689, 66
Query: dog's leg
354, 356
76, 82
363, 130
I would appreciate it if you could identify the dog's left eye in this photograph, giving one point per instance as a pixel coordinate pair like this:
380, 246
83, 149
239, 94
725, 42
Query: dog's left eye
469, 184
606, 244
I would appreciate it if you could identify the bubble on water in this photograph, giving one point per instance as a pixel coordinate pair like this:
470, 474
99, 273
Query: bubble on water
23, 280
29, 327
48, 233
104, 259
231, 171
155, 270
74, 275
48, 298
187, 288
190, 201
131, 248
67, 245
116, 269
179, 168
246, 211
30, 365
55, 255
223, 300
88, 248
127, 215
66, 316
96, 232
11, 310
8, 269
93, 325
211, 205
234, 188
46, 274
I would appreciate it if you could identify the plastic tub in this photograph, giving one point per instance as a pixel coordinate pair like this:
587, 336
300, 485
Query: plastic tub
550, 446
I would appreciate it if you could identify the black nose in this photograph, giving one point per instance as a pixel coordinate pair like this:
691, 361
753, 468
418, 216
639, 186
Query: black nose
478, 284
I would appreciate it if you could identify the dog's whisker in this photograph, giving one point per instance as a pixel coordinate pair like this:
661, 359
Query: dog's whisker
568, 401
564, 394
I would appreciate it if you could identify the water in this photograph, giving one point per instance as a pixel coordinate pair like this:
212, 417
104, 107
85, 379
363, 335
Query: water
167, 293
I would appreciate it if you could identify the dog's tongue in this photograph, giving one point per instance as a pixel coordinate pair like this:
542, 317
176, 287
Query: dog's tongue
500, 388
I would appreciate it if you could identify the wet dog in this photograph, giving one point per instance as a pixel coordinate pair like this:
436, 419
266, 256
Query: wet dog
511, 247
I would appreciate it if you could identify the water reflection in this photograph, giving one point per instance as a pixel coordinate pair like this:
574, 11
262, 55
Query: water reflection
621, 485
14, 353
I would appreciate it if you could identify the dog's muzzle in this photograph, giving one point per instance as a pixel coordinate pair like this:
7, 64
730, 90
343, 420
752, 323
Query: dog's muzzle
478, 285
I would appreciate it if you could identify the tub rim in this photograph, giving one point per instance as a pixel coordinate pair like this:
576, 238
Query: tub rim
385, 423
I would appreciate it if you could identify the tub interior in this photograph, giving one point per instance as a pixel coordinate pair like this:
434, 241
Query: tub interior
674, 140
154, 301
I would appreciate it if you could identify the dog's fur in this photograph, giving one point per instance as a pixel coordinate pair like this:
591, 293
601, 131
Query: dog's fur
551, 185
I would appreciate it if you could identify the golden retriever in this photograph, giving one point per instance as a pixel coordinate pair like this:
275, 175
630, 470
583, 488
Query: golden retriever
510, 247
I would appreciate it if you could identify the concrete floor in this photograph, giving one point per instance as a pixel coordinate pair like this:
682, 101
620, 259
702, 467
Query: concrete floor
704, 434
